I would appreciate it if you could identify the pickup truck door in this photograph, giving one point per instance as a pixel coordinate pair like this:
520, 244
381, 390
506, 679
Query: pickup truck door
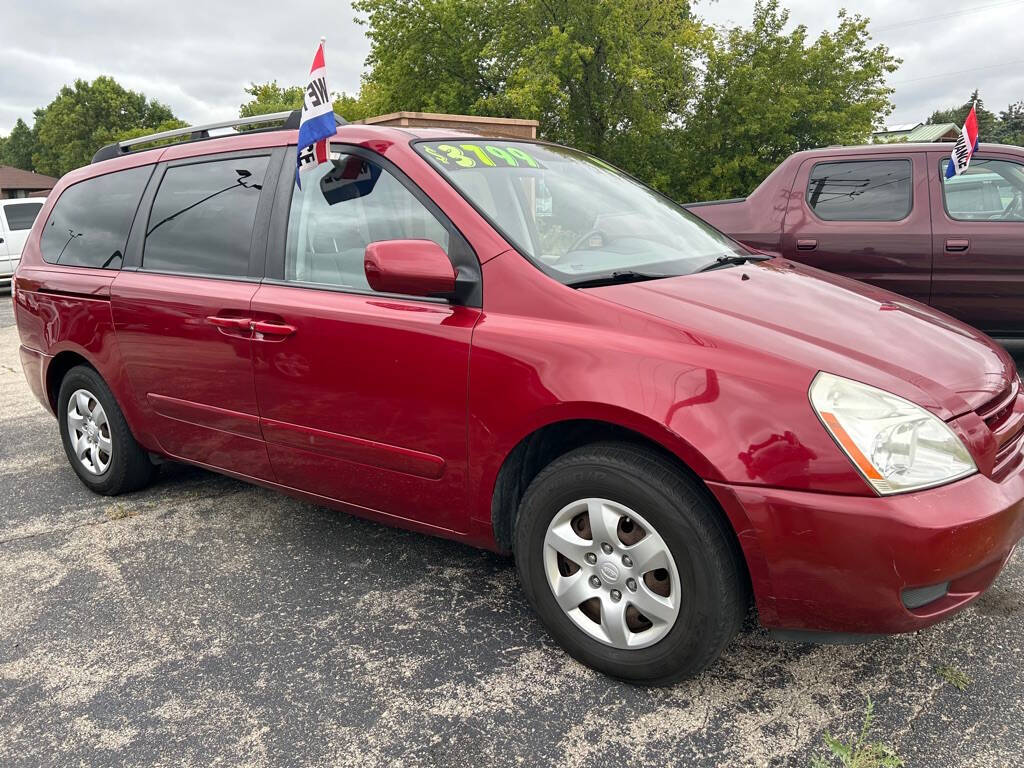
978, 242
865, 216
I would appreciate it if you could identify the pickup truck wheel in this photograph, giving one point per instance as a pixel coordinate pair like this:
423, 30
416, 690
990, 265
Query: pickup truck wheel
100, 447
628, 564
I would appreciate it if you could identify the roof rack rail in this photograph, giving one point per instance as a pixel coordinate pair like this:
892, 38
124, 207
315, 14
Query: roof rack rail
289, 121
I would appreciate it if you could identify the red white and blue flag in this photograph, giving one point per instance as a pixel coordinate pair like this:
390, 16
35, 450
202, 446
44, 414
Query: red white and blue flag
965, 147
318, 124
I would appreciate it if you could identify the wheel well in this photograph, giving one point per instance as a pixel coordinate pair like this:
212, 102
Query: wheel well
56, 371
540, 448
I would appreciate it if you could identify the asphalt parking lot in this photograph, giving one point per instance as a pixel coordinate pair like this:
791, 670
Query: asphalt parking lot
204, 621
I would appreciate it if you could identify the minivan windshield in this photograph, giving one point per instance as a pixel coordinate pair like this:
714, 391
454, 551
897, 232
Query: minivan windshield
577, 217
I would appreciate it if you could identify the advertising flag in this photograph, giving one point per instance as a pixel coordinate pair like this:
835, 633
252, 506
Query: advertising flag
965, 146
318, 123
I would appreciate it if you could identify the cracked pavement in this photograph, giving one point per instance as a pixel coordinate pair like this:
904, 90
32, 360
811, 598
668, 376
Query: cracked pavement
206, 621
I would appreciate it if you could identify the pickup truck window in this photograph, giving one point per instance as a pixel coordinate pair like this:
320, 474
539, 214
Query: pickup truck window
21, 215
989, 190
861, 190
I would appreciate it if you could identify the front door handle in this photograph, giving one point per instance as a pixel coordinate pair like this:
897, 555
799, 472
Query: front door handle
806, 245
265, 328
957, 246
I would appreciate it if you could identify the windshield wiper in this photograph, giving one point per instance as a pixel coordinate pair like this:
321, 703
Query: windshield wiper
620, 276
732, 260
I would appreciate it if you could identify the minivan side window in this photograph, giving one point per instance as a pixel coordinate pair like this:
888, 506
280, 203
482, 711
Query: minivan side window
861, 190
21, 216
88, 226
202, 217
343, 206
989, 190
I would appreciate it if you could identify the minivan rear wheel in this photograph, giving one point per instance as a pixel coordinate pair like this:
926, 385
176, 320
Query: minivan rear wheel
629, 565
99, 446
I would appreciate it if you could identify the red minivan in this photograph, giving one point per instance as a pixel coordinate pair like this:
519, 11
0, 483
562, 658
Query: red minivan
512, 344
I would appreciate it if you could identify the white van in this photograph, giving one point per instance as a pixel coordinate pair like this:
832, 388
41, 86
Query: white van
16, 218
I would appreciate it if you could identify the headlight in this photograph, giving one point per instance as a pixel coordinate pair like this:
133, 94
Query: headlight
896, 445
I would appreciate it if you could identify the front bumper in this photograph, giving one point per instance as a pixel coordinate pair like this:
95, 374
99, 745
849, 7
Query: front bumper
847, 564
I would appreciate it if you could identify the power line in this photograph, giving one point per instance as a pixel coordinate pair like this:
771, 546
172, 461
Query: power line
958, 72
943, 16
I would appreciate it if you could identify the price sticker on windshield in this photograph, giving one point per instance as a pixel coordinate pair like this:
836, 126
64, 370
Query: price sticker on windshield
453, 156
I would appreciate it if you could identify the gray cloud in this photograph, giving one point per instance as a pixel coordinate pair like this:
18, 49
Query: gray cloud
195, 56
198, 56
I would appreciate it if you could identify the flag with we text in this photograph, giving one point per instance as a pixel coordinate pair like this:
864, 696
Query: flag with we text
318, 123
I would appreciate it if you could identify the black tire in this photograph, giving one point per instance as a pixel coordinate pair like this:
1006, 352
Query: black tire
714, 597
129, 468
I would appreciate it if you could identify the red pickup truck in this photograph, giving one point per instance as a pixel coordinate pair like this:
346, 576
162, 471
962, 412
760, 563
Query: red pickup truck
886, 214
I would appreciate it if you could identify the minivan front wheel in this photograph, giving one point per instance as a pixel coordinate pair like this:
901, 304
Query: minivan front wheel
100, 447
628, 564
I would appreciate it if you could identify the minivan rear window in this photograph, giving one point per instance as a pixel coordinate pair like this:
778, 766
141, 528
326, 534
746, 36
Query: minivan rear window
89, 225
203, 216
21, 215
861, 190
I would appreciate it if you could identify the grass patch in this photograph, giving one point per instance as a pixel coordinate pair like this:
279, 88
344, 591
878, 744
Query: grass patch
118, 511
954, 676
860, 752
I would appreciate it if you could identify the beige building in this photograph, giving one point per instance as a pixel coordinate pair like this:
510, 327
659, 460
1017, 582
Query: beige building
504, 127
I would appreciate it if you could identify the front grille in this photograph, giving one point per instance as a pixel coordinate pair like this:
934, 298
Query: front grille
1004, 416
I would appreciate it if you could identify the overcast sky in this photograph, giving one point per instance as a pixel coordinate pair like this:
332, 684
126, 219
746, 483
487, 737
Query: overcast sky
198, 56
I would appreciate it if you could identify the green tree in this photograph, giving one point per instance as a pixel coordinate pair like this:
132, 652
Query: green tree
271, 97
610, 77
1011, 129
84, 117
429, 55
988, 128
604, 76
18, 147
767, 93
641, 83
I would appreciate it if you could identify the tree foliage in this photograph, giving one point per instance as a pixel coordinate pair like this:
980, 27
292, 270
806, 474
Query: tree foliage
1006, 128
85, 116
1012, 124
18, 146
986, 119
643, 84
271, 97
768, 93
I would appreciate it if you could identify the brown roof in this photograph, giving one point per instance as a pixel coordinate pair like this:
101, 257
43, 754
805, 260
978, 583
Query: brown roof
15, 178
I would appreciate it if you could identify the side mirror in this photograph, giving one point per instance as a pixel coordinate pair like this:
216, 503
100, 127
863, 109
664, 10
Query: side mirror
412, 267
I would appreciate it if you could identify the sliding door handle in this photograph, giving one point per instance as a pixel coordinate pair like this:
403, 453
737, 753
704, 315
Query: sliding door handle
276, 330
230, 323
806, 245
957, 246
